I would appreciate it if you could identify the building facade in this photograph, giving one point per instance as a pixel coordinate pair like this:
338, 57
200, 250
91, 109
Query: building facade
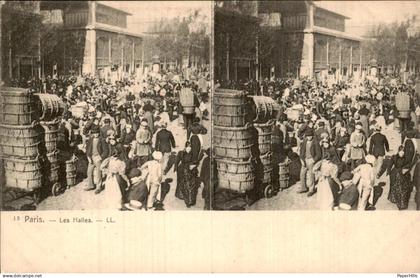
96, 41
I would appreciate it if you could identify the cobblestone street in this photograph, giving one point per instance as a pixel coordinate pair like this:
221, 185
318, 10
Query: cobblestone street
289, 199
76, 198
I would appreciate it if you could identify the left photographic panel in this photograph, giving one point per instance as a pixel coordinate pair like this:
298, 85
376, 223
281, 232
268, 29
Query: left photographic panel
105, 105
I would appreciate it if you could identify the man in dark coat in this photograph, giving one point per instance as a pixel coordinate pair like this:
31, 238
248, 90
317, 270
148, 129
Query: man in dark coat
107, 126
96, 151
320, 131
127, 137
378, 147
310, 153
165, 141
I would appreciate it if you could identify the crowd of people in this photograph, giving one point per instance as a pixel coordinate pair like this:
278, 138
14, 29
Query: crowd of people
120, 137
338, 134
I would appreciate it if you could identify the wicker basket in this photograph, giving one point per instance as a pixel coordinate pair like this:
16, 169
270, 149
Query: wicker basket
232, 142
264, 136
23, 174
20, 141
284, 175
16, 107
236, 176
71, 172
230, 108
266, 160
50, 134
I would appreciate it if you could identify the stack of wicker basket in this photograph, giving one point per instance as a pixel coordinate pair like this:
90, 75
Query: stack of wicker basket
232, 140
50, 107
20, 140
265, 110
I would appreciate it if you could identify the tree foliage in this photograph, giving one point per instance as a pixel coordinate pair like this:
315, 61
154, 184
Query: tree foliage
395, 43
21, 25
175, 38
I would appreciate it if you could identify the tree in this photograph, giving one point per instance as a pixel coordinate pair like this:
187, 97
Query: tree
394, 44
179, 37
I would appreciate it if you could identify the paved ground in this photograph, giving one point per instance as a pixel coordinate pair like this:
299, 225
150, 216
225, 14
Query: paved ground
289, 200
76, 198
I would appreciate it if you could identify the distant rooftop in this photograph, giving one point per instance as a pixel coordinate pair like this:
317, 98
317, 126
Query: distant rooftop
327, 10
52, 5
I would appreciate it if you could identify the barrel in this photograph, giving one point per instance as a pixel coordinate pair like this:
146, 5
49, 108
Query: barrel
264, 109
232, 142
266, 161
23, 174
284, 175
20, 140
16, 106
71, 172
49, 106
186, 98
236, 176
230, 108
264, 136
50, 135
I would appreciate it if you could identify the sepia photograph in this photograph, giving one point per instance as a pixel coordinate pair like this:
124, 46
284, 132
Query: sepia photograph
316, 105
249, 128
105, 105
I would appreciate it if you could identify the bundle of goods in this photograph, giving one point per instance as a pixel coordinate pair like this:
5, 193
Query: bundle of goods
402, 102
186, 98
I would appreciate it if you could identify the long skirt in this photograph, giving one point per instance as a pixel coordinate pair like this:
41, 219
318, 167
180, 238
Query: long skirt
400, 188
187, 185
325, 197
111, 197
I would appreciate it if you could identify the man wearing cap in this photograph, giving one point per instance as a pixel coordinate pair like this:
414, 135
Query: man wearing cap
310, 153
378, 147
165, 141
357, 142
95, 149
154, 178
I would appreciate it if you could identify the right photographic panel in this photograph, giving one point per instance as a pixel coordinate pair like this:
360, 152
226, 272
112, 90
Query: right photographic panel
316, 105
